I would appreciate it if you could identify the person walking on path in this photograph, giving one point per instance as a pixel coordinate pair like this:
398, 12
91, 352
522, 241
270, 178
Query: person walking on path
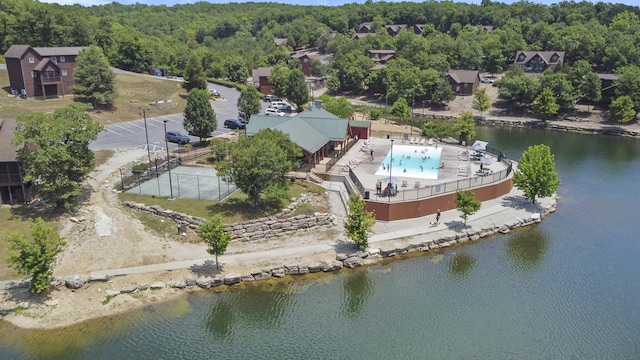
438, 217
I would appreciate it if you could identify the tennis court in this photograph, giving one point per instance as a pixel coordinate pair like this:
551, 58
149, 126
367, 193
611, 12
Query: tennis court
187, 183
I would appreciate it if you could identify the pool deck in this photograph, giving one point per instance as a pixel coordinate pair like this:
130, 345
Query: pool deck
365, 168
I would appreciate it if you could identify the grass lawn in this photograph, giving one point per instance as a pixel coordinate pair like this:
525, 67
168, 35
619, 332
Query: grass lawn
14, 220
235, 208
133, 91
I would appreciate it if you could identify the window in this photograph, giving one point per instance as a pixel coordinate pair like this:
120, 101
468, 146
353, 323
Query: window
521, 57
64, 72
32, 60
34, 74
62, 59
54, 59
554, 58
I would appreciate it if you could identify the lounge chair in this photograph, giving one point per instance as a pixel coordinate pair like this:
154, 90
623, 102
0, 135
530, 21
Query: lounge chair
430, 141
412, 140
404, 183
422, 141
417, 185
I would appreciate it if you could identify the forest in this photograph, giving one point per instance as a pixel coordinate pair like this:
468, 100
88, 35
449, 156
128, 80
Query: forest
139, 37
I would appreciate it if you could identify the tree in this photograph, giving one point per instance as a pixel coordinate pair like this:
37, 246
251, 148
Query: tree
401, 108
212, 233
536, 174
249, 101
338, 106
194, 76
560, 86
93, 77
359, 222
438, 129
260, 164
481, 101
519, 90
545, 104
628, 84
467, 204
199, 117
621, 109
297, 91
57, 158
35, 254
236, 69
279, 78
466, 127
220, 149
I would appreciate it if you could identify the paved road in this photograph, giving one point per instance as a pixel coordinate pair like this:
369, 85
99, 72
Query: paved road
132, 133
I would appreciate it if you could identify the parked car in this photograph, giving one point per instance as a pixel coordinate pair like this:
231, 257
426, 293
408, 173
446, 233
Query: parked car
280, 105
270, 98
214, 93
234, 124
486, 80
177, 137
273, 112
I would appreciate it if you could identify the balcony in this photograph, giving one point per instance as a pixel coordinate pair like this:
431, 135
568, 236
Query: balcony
46, 79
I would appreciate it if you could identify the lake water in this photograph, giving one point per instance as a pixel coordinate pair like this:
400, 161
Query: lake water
567, 288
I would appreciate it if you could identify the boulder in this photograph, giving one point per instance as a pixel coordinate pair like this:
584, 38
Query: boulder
98, 277
204, 282
315, 267
232, 278
217, 281
278, 273
158, 285
190, 282
129, 289
52, 302
247, 278
180, 284
262, 276
75, 281
111, 293
353, 262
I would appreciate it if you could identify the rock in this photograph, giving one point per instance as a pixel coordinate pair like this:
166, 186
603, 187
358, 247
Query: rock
129, 289
6, 309
232, 278
315, 267
158, 285
278, 273
204, 282
217, 281
52, 302
99, 277
190, 282
342, 257
353, 262
262, 276
247, 278
111, 293
143, 287
180, 284
75, 282
74, 220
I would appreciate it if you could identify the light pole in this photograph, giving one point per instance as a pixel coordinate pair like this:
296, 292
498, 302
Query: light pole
390, 165
146, 133
166, 145
386, 103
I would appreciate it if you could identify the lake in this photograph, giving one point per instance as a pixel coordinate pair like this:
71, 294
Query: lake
565, 288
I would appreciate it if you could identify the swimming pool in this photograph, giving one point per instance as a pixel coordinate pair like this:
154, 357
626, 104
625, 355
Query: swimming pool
415, 161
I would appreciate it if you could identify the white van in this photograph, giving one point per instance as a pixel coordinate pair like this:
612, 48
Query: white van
273, 112
280, 105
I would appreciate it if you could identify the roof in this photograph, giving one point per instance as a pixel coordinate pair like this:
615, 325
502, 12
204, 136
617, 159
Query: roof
8, 152
396, 27
43, 64
310, 129
280, 41
545, 55
360, 123
612, 77
381, 55
256, 74
464, 76
298, 55
360, 35
17, 51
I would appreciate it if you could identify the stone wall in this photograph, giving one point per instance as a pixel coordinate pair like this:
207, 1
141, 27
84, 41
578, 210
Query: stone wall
608, 130
342, 260
263, 228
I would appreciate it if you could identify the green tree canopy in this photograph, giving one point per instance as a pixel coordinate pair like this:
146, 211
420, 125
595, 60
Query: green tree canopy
518, 90
259, 165
481, 101
249, 101
439, 129
401, 108
338, 106
467, 204
93, 77
297, 92
466, 127
359, 222
536, 174
621, 109
35, 254
236, 69
199, 117
194, 75
628, 84
58, 158
212, 233
545, 104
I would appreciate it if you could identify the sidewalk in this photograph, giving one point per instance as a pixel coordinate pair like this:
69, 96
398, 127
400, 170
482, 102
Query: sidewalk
504, 210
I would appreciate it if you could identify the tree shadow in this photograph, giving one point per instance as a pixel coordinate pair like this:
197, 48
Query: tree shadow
42, 210
457, 225
19, 292
243, 209
516, 202
208, 268
344, 247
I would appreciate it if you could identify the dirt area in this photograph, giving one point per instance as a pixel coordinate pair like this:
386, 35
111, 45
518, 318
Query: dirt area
102, 234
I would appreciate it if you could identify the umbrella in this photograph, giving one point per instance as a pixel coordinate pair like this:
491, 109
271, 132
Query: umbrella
479, 145
393, 180
486, 160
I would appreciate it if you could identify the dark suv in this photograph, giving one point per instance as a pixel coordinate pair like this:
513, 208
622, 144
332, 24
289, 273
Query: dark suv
270, 98
177, 137
234, 124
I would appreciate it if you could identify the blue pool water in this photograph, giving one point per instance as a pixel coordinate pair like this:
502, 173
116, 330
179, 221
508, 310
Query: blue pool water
412, 161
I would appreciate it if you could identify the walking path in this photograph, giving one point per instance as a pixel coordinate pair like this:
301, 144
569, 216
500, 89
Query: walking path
504, 210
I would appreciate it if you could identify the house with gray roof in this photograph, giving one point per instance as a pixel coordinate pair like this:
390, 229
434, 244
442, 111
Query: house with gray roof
316, 131
12, 188
464, 82
41, 72
538, 61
